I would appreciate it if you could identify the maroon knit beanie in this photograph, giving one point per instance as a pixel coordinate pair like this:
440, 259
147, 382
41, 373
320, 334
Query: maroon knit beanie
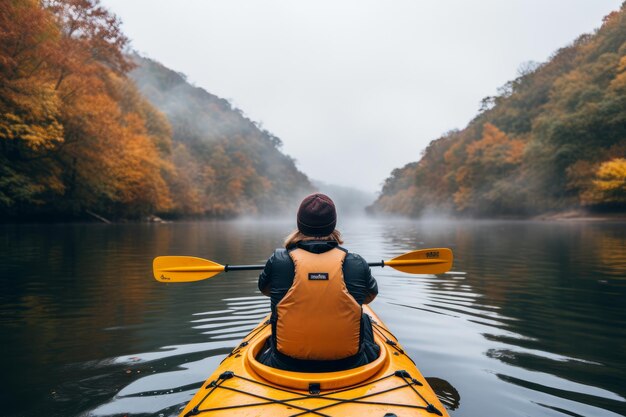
317, 216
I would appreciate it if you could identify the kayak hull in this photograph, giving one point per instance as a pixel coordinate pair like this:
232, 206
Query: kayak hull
241, 386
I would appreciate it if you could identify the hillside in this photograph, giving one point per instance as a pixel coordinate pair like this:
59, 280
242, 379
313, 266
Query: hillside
228, 163
79, 136
551, 140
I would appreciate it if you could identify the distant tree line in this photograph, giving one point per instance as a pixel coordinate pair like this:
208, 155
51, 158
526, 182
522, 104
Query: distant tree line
552, 139
77, 135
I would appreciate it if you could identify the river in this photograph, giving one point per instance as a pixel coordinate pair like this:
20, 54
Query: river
531, 321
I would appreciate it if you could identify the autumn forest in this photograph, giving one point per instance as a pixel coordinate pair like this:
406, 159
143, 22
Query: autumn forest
553, 139
87, 126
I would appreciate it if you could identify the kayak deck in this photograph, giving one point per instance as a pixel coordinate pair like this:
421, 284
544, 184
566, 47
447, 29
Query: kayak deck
390, 386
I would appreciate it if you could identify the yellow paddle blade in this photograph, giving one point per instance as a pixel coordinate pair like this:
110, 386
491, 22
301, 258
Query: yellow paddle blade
424, 261
184, 268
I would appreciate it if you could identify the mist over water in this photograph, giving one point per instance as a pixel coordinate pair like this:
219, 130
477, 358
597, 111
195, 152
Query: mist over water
350, 202
530, 321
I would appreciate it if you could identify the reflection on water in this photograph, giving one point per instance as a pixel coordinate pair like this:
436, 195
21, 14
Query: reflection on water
448, 395
530, 322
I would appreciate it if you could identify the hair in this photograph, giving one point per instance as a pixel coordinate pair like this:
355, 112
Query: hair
297, 236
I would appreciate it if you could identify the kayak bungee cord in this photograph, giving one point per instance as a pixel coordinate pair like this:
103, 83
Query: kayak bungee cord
390, 342
406, 377
219, 384
245, 342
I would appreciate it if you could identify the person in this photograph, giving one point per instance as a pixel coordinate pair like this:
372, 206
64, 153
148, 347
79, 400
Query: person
317, 289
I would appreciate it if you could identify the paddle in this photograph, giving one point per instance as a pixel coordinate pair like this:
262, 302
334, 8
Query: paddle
189, 268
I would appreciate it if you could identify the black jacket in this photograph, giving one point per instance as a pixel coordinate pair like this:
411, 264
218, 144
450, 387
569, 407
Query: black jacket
277, 277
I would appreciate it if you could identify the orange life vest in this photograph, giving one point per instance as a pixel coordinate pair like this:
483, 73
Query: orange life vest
318, 319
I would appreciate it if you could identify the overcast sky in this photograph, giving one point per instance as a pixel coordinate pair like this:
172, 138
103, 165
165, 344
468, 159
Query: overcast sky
355, 88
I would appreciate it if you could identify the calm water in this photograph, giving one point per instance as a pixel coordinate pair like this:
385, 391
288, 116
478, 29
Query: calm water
531, 322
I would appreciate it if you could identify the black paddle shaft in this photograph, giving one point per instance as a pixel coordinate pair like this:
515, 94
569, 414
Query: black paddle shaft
259, 267
243, 267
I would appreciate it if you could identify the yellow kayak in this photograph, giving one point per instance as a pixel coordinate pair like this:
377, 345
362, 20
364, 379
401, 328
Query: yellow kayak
390, 386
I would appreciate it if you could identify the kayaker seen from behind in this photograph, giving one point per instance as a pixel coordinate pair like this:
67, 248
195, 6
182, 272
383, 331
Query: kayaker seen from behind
317, 289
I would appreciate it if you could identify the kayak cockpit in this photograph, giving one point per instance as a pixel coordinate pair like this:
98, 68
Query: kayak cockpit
302, 380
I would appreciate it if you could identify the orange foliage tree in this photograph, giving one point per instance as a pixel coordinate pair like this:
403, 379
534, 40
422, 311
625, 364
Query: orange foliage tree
67, 142
484, 177
608, 184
